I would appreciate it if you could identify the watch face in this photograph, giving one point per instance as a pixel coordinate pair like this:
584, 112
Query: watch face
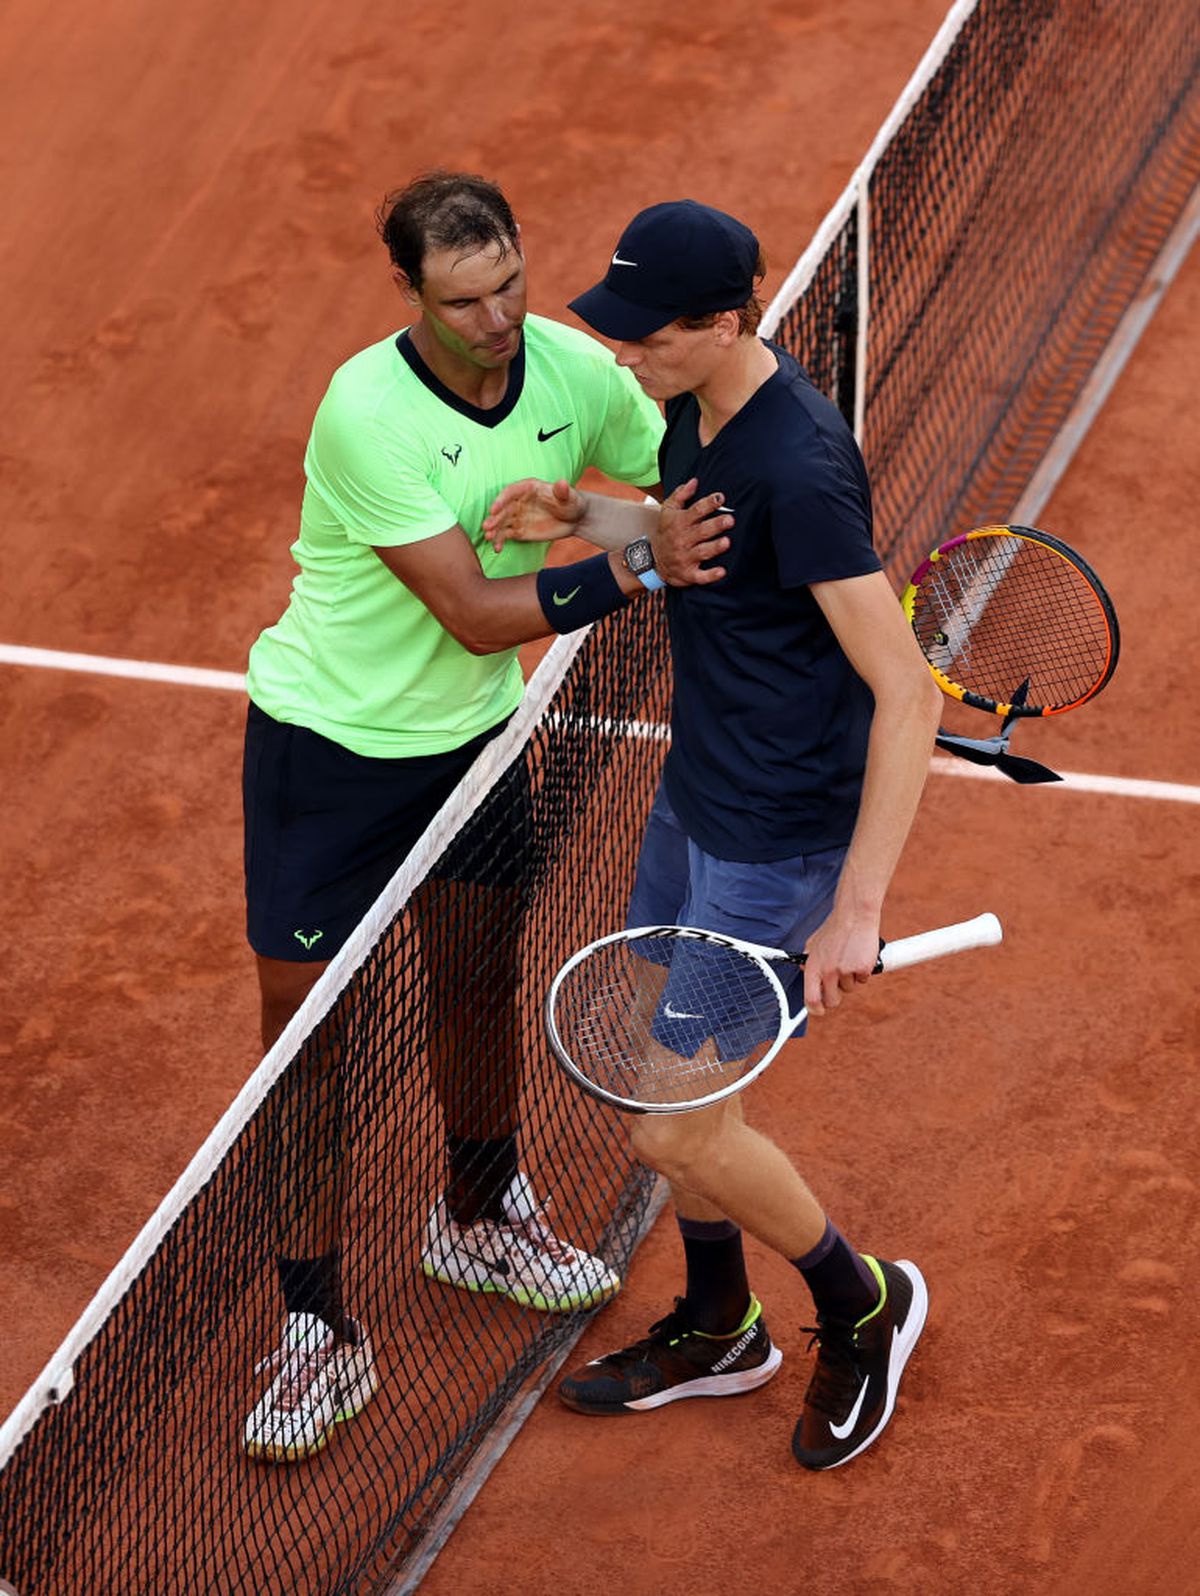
639, 556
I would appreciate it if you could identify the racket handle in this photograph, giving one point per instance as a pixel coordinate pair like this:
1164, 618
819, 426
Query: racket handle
981, 932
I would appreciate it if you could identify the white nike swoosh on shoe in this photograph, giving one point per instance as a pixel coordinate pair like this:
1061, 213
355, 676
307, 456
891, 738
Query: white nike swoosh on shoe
841, 1431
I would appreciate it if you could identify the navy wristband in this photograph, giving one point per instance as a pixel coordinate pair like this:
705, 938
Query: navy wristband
575, 595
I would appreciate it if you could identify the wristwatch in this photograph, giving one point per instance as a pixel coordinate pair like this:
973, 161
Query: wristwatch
639, 560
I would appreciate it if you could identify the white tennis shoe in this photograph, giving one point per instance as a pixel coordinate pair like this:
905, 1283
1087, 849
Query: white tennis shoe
520, 1257
318, 1382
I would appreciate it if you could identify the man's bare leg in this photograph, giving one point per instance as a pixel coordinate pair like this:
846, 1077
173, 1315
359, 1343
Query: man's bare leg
473, 1035
311, 1154
283, 986
720, 1167
723, 1167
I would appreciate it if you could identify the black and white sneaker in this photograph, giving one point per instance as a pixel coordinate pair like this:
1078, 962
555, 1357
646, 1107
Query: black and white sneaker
853, 1389
317, 1381
520, 1257
674, 1361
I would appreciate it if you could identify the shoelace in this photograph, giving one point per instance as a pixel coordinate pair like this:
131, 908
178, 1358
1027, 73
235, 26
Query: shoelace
538, 1233
299, 1367
534, 1232
673, 1327
838, 1375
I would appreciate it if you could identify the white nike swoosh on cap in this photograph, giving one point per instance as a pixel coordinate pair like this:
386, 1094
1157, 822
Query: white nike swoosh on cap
617, 261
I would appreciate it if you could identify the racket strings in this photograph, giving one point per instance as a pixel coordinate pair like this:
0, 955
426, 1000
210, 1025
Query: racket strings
996, 611
652, 1020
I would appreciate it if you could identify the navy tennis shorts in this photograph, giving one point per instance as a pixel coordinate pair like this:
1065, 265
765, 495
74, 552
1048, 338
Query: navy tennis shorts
326, 828
778, 904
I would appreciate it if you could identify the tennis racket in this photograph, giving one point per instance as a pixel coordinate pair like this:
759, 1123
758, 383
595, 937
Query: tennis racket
663, 1019
1013, 622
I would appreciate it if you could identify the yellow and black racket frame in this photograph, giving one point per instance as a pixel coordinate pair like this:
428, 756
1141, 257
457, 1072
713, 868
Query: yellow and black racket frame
1087, 583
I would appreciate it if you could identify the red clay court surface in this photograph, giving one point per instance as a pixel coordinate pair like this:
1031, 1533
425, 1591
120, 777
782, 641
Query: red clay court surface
188, 196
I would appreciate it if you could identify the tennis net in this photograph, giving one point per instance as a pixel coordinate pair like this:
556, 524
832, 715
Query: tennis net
1008, 216
954, 303
131, 1475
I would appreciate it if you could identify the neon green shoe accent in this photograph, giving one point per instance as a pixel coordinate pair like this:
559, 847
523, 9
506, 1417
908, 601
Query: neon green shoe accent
524, 1296
878, 1273
753, 1312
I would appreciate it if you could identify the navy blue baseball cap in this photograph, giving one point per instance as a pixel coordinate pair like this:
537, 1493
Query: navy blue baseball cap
677, 259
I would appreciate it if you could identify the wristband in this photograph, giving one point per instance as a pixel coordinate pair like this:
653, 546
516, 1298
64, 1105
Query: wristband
572, 596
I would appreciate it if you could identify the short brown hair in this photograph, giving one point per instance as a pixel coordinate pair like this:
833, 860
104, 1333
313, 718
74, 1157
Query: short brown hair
443, 210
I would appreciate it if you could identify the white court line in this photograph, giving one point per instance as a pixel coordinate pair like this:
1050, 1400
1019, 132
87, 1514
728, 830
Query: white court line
1114, 786
1075, 781
637, 730
140, 670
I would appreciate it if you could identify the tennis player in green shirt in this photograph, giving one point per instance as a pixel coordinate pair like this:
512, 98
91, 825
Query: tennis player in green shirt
393, 665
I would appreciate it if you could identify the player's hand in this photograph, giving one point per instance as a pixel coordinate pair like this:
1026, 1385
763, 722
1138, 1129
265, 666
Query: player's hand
688, 534
840, 955
532, 511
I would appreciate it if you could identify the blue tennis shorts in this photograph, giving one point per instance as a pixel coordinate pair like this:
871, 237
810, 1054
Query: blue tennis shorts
326, 829
779, 904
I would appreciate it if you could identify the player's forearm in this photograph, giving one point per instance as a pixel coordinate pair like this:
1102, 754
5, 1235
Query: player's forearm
503, 612
901, 741
610, 523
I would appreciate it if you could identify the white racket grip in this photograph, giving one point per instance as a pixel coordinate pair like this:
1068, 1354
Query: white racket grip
981, 932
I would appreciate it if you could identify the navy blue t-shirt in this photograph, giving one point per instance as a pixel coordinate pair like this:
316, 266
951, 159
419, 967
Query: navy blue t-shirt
769, 721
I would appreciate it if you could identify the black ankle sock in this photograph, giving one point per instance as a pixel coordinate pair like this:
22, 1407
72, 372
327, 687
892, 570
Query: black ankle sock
841, 1282
480, 1173
718, 1293
314, 1285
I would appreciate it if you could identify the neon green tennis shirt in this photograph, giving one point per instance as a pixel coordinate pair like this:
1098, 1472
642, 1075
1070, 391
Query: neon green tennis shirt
396, 457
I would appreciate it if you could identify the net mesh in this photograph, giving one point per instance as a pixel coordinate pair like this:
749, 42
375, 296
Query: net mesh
138, 1481
1011, 220
820, 324
1014, 216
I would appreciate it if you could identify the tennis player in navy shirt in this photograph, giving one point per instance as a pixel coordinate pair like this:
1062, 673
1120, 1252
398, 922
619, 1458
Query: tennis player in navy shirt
802, 723
769, 730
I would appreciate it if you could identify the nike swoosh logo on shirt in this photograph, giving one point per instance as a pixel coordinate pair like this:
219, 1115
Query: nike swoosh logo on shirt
565, 598
544, 437
677, 1014
617, 261
843, 1430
